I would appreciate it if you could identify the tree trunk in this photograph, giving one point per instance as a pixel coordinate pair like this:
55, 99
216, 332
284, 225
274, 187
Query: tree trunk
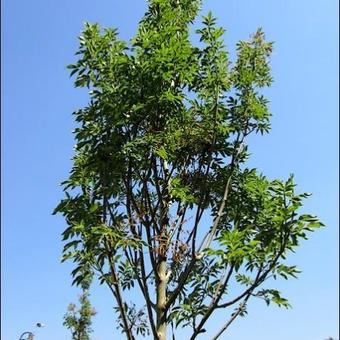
162, 275
161, 284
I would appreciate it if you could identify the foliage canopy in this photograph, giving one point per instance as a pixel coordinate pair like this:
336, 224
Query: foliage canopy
79, 319
159, 200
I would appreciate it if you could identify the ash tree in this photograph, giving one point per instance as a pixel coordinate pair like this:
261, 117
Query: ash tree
79, 319
159, 201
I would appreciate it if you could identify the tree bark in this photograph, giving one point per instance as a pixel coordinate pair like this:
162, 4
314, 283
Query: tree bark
161, 284
162, 277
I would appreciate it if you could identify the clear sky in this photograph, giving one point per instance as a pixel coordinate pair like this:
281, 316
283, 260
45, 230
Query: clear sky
39, 38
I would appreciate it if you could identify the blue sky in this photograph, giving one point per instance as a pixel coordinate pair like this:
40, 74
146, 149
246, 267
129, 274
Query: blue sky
39, 38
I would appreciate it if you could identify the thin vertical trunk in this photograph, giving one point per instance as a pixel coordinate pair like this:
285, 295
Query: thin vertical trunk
161, 299
162, 275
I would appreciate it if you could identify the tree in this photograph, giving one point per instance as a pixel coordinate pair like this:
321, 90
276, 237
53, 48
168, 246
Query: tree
159, 200
79, 320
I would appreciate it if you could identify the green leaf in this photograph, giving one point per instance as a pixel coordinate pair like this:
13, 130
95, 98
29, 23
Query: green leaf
162, 153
